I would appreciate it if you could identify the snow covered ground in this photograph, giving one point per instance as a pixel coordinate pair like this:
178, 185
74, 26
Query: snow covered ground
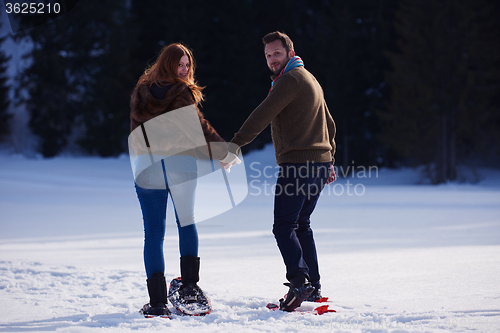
394, 256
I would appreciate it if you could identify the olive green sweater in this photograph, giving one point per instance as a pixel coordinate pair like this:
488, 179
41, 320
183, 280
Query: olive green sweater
301, 125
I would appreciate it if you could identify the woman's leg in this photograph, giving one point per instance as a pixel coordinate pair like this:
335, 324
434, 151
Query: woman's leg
182, 188
188, 239
183, 198
153, 205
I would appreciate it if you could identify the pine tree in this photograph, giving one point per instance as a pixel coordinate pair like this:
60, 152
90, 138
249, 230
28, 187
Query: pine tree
61, 82
105, 115
434, 82
4, 94
344, 42
481, 106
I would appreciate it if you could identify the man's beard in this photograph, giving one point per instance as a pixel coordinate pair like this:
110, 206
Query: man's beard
283, 65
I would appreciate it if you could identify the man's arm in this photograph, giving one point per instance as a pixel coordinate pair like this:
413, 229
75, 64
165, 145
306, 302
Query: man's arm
331, 136
331, 131
283, 92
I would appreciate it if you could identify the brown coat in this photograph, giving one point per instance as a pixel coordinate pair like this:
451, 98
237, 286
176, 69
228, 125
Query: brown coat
144, 106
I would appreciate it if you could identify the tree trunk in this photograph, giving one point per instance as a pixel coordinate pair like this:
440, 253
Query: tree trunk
446, 163
452, 159
441, 166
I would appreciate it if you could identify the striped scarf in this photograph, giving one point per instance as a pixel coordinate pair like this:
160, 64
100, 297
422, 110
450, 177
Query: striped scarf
292, 63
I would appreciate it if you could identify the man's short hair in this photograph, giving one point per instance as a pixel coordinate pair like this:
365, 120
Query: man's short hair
285, 40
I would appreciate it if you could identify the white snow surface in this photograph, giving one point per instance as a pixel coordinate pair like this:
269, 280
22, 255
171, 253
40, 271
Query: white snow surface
394, 256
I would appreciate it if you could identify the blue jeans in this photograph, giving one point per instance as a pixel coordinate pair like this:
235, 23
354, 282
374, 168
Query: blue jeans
154, 208
298, 189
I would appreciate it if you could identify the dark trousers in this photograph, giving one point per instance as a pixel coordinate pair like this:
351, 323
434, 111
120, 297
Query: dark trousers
297, 191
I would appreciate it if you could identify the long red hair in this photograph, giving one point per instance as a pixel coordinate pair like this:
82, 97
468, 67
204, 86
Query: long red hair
164, 70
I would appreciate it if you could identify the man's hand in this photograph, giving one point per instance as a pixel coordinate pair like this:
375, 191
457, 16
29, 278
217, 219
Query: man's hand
333, 176
228, 161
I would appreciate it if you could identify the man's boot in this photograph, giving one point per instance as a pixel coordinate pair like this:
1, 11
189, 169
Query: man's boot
316, 294
300, 290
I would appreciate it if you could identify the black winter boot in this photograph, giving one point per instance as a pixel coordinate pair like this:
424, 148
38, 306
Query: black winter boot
184, 293
157, 289
190, 275
316, 294
300, 290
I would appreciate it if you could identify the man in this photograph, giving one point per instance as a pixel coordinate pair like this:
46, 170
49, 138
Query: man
303, 134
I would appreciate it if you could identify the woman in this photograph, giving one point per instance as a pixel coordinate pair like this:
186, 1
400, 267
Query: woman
168, 89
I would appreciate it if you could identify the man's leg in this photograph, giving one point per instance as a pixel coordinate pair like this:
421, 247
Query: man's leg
319, 175
288, 202
309, 254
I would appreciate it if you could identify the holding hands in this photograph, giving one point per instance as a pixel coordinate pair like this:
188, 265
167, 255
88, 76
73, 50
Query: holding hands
228, 161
